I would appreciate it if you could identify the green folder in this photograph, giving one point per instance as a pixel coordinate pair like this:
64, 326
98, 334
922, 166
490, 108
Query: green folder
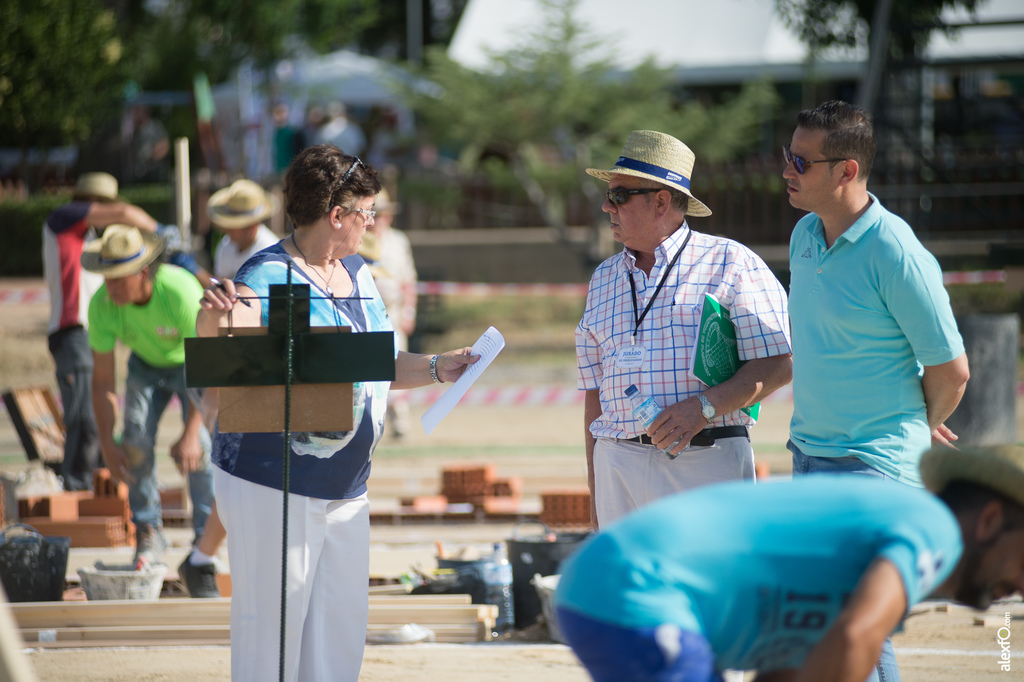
715, 358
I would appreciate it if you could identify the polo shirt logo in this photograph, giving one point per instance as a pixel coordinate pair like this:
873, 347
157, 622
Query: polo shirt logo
807, 253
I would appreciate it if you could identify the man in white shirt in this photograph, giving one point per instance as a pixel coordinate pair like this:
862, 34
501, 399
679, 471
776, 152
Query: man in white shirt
239, 211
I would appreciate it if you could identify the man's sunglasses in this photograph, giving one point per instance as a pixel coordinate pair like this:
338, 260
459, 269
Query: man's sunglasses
799, 163
620, 195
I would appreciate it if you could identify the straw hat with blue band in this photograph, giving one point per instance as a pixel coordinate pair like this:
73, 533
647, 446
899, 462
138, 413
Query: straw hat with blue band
122, 251
659, 157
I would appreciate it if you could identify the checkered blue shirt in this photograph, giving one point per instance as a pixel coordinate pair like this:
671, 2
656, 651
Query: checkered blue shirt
734, 274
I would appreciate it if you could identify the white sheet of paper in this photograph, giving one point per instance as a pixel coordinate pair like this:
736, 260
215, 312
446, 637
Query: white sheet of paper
487, 347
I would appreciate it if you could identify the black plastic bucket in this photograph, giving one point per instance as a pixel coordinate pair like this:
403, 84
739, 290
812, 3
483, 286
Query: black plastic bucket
469, 578
530, 554
33, 567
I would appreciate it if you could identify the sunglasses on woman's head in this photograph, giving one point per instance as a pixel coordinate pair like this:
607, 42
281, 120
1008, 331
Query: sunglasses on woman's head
351, 169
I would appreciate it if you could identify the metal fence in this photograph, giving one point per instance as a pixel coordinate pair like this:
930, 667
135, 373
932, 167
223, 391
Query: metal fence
956, 194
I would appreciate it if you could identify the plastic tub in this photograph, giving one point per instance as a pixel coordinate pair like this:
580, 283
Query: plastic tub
122, 581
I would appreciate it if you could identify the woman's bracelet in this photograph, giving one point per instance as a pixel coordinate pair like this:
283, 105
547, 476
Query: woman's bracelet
433, 371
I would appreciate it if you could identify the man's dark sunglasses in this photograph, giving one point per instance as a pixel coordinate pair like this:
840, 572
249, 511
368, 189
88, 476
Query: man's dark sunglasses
620, 195
799, 163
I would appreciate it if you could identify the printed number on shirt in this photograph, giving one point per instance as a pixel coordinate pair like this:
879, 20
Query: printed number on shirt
928, 567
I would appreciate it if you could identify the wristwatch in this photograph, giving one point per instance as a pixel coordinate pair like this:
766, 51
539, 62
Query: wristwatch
706, 408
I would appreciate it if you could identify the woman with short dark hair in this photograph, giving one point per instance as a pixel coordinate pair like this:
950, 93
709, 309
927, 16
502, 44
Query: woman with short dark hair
329, 196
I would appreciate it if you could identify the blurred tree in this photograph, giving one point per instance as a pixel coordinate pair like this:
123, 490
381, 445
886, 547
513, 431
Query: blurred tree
823, 23
553, 108
172, 40
387, 37
61, 68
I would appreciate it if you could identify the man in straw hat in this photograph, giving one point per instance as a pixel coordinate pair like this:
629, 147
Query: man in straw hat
879, 363
239, 211
151, 308
642, 315
799, 580
94, 205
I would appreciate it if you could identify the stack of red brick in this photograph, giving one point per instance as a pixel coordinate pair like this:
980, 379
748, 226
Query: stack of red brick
475, 485
565, 508
97, 518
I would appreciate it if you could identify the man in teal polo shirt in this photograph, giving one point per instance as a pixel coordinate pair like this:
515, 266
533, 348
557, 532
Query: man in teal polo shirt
878, 363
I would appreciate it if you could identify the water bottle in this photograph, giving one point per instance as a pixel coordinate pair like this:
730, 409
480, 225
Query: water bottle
498, 582
646, 409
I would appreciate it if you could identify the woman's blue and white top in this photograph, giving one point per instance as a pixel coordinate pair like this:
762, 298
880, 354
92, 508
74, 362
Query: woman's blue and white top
333, 466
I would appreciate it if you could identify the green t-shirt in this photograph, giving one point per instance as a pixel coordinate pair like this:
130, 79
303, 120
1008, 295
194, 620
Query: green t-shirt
156, 331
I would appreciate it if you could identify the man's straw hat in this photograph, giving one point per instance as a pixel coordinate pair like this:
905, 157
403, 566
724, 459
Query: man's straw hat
659, 157
1000, 468
242, 204
97, 186
383, 204
121, 251
370, 247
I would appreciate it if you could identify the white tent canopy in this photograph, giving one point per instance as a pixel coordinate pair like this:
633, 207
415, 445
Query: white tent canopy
355, 79
358, 81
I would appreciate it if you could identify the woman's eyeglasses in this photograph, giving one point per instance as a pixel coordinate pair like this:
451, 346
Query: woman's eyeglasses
366, 213
620, 195
801, 164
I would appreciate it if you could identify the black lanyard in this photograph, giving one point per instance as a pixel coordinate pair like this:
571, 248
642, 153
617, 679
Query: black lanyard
632, 287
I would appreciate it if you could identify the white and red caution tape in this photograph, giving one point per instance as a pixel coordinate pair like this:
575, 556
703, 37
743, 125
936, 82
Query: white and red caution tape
33, 294
974, 277
481, 289
504, 396
528, 396
549, 395
25, 296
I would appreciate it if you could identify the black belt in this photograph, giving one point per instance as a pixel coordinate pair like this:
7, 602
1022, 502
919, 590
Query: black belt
705, 438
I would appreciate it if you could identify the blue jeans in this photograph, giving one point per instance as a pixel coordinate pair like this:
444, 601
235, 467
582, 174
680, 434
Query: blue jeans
73, 358
148, 391
886, 670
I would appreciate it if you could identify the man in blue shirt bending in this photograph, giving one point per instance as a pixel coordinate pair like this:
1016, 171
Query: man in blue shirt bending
800, 580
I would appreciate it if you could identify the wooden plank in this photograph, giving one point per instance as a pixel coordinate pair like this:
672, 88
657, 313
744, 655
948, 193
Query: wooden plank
148, 633
421, 599
192, 635
168, 612
430, 613
128, 643
448, 634
37, 420
133, 613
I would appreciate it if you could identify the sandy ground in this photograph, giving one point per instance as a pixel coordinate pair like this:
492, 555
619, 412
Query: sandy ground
540, 444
